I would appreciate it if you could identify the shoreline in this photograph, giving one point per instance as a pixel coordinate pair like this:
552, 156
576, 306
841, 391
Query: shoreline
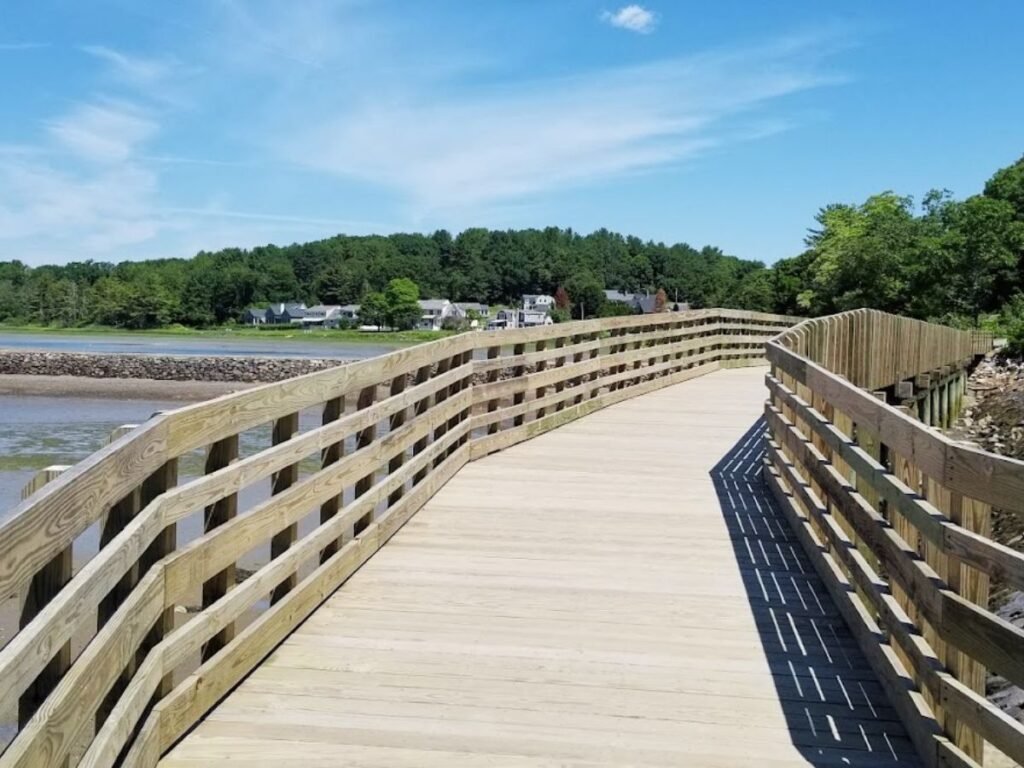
394, 339
35, 385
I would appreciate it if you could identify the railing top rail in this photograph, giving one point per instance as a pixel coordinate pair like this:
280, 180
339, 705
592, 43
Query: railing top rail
897, 515
390, 431
62, 509
972, 471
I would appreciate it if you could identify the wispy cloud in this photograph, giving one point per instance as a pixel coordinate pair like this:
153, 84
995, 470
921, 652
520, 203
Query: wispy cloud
88, 212
218, 212
163, 80
106, 132
503, 144
635, 18
342, 104
137, 70
28, 46
82, 188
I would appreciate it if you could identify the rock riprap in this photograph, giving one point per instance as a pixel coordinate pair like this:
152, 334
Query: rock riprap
160, 367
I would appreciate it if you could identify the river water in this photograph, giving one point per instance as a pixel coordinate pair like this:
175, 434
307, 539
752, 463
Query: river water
37, 431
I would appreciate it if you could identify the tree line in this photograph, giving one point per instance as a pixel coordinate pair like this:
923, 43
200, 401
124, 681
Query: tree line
489, 266
949, 260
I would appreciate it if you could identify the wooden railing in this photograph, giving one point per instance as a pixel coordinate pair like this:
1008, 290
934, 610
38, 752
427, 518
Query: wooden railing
118, 655
897, 519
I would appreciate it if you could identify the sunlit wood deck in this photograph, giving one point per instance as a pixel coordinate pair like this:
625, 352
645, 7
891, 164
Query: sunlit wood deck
619, 591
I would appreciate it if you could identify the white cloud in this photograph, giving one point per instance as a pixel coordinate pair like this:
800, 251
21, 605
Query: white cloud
136, 70
635, 18
106, 132
165, 80
85, 192
90, 212
504, 144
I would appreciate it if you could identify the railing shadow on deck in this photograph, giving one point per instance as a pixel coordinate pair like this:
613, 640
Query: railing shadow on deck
836, 711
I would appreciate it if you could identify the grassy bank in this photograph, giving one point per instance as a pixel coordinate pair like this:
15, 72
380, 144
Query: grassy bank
286, 334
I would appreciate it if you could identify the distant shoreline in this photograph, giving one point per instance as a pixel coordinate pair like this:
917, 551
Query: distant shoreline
267, 333
26, 385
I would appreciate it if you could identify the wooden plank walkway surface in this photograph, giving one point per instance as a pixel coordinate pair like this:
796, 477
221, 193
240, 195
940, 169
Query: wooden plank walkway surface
619, 591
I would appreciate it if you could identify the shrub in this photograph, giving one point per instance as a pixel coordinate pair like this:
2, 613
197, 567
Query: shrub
1011, 324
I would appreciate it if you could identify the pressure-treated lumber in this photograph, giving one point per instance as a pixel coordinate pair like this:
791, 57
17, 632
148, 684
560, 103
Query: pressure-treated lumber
340, 486
585, 597
904, 508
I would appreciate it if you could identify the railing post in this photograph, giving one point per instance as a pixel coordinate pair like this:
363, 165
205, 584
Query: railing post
365, 438
452, 362
577, 381
453, 389
397, 420
560, 362
422, 406
219, 455
541, 366
466, 383
119, 515
518, 373
492, 377
595, 376
45, 585
164, 544
334, 409
283, 430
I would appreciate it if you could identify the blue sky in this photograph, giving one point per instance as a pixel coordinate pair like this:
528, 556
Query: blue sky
136, 130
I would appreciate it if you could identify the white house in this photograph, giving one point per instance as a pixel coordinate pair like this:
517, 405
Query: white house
434, 312
538, 301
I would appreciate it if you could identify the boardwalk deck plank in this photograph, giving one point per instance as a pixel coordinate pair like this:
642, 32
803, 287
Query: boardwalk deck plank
619, 591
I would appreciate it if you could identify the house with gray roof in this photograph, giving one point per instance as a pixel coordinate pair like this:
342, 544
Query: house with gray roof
285, 313
434, 312
538, 302
321, 315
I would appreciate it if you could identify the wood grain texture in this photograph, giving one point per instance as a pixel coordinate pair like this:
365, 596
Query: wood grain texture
583, 598
425, 430
971, 706
905, 502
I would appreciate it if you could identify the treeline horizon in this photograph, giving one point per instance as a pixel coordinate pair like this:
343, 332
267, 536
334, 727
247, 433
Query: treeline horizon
955, 261
490, 266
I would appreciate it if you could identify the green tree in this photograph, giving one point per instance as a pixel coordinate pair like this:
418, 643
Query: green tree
756, 292
402, 300
860, 255
983, 248
1007, 184
373, 310
340, 284
587, 295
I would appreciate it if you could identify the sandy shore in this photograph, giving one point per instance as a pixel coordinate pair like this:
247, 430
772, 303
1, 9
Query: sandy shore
118, 389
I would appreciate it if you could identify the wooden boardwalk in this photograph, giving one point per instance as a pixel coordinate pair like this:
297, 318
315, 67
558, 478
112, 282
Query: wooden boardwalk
619, 591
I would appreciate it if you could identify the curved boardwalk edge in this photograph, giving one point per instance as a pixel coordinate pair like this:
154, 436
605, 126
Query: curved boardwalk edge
621, 591
118, 656
897, 516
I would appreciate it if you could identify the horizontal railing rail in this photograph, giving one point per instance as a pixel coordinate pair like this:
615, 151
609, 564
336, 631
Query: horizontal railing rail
149, 579
896, 516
